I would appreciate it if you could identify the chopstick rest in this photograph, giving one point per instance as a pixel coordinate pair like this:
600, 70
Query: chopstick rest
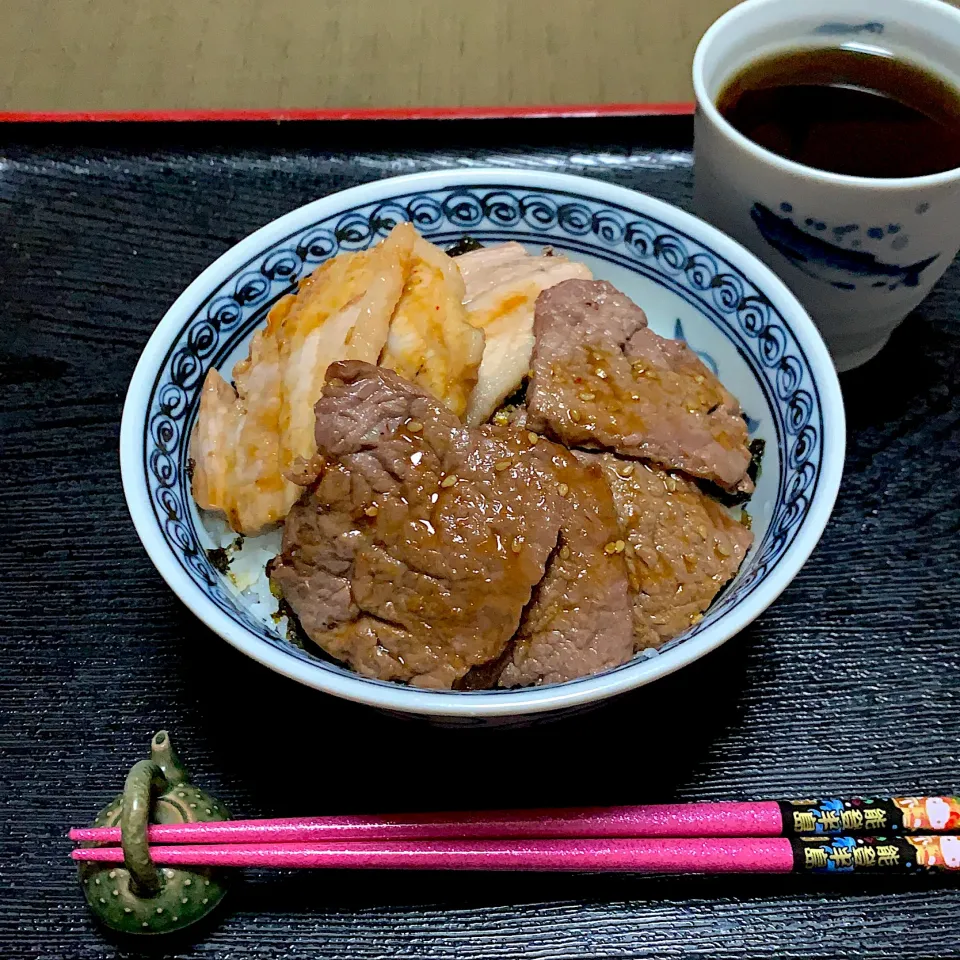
136, 895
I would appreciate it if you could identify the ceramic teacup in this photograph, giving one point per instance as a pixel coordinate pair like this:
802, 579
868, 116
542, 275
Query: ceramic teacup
860, 253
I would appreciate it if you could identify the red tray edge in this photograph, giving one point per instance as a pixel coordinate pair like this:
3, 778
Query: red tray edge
391, 113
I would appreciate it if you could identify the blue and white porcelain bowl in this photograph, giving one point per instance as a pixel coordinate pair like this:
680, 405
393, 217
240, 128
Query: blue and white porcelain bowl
693, 282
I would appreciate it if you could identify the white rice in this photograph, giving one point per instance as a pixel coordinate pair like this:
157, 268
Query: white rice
246, 577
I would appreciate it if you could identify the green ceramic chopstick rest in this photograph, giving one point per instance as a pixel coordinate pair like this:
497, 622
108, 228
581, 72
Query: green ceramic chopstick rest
137, 896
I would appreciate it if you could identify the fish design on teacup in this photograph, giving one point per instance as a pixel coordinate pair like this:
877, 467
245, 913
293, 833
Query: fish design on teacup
833, 264
849, 29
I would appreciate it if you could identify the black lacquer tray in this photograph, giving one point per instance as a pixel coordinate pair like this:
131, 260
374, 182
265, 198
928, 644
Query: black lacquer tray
849, 684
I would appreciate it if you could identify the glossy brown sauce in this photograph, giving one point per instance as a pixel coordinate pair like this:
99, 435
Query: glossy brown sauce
626, 392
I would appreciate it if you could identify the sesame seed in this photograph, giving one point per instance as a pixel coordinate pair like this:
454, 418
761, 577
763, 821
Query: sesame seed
563, 489
534, 438
639, 367
625, 470
414, 426
587, 396
601, 373
574, 415
371, 511
517, 544
449, 480
620, 546
610, 548
564, 553
698, 378
502, 465
670, 484
723, 549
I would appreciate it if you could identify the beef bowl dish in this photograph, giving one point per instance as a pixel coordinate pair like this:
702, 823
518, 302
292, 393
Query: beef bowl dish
482, 445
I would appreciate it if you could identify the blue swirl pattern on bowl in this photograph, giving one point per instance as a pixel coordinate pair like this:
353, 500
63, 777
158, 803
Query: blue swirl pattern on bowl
576, 223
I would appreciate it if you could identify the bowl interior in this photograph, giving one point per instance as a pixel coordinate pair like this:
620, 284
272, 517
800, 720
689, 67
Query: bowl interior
693, 289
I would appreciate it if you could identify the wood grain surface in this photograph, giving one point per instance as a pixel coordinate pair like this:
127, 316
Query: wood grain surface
144, 54
848, 684
92, 55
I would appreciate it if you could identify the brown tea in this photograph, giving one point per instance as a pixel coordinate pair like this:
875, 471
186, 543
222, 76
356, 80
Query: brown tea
847, 111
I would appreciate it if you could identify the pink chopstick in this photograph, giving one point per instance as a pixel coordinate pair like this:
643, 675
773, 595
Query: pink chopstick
728, 855
765, 818
903, 855
724, 819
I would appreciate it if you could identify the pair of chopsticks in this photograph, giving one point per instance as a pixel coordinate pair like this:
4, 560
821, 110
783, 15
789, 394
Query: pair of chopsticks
724, 837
